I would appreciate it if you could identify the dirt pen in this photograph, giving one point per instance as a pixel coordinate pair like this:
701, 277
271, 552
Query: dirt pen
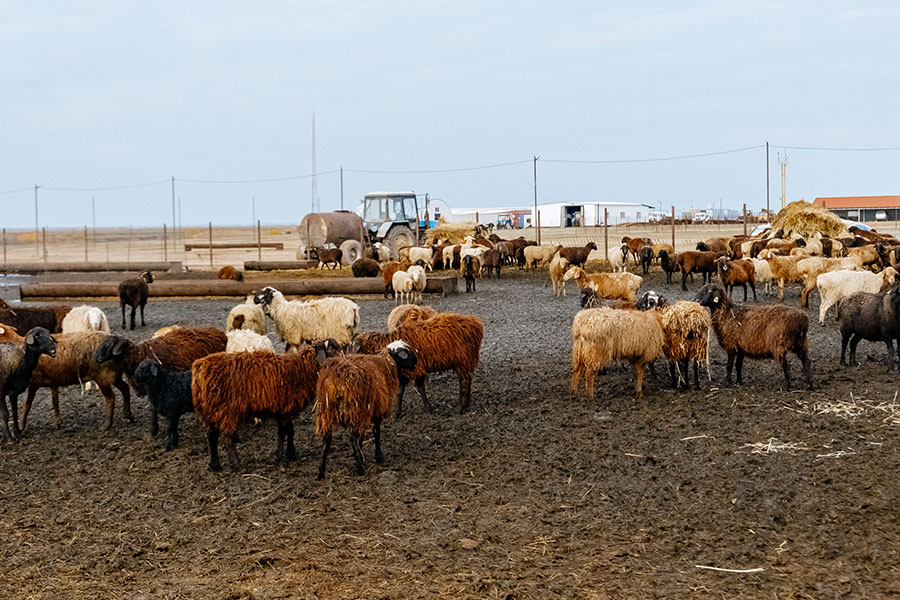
727, 492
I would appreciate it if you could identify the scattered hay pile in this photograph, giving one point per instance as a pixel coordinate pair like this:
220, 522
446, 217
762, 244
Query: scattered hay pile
454, 232
806, 219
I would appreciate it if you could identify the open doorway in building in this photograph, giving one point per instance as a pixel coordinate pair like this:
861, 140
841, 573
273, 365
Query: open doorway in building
573, 216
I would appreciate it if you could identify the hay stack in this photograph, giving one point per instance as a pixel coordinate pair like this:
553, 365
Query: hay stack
806, 219
454, 232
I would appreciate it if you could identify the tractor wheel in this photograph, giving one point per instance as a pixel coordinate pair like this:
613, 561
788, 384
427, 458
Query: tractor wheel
397, 238
351, 250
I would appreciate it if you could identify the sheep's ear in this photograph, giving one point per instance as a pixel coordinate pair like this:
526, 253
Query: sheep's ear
2, 331
29, 339
716, 299
321, 355
154, 369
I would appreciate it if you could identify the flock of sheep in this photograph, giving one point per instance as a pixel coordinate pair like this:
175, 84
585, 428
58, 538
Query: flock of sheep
349, 379
354, 380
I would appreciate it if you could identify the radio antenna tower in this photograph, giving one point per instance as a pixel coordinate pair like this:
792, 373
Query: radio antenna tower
315, 187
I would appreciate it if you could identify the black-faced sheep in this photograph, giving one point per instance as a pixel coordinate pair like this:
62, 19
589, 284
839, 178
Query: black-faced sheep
230, 388
668, 264
491, 261
176, 350
17, 361
445, 342
169, 393
601, 335
646, 256
771, 331
873, 317
134, 293
298, 322
358, 391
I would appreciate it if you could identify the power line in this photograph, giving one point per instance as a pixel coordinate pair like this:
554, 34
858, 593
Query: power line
657, 159
18, 191
291, 178
106, 189
838, 149
457, 170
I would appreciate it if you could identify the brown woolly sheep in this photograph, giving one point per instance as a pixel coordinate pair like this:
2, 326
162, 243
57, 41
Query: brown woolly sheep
868, 255
716, 245
134, 293
357, 392
23, 317
691, 261
771, 331
231, 388
445, 342
364, 267
613, 286
737, 272
329, 256
601, 335
577, 256
176, 351
229, 272
784, 269
778, 246
491, 261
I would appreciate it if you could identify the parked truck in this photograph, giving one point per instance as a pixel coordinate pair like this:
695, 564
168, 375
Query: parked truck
392, 218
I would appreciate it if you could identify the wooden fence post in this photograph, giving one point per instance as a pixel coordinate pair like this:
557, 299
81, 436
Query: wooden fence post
210, 246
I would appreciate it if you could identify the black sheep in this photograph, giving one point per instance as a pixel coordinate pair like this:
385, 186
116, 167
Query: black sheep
168, 391
364, 267
469, 269
16, 366
873, 317
668, 265
134, 293
646, 255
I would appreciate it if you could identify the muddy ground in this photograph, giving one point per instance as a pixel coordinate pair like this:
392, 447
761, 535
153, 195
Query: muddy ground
529, 495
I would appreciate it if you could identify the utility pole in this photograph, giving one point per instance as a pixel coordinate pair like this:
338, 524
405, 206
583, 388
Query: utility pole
342, 188
534, 221
254, 210
768, 217
174, 247
315, 185
783, 163
37, 239
94, 218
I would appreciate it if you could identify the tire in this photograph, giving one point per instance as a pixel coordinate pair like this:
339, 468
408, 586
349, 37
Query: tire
398, 237
351, 250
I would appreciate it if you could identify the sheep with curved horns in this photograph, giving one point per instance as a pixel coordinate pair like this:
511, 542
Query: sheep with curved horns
358, 391
298, 322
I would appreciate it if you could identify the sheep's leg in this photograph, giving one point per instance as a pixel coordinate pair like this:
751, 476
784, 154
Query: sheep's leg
420, 387
14, 404
172, 433
326, 446
142, 316
740, 367
122, 304
845, 337
744, 285
4, 414
589, 377
231, 452
823, 308
728, 367
133, 311
54, 400
110, 406
212, 437
577, 370
752, 287
674, 381
279, 451
854, 341
290, 450
356, 443
696, 374
376, 433
465, 390
639, 375
889, 341
781, 290
807, 366
684, 276
32, 390
403, 384
787, 371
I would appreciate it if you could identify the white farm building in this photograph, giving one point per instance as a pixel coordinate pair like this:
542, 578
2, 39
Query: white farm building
559, 214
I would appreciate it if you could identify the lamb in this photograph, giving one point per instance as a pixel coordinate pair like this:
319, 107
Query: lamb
408, 312
558, 268
668, 265
868, 255
402, 284
245, 340
450, 255
840, 284
873, 317
810, 269
646, 256
538, 255
230, 388
176, 350
771, 331
229, 273
247, 316
388, 274
358, 391
364, 267
608, 285
298, 322
85, 318
74, 364
780, 246
445, 342
763, 274
22, 317
169, 393
737, 272
601, 335
329, 256
470, 267
663, 247
690, 262
426, 255
17, 362
165, 330
134, 293
577, 256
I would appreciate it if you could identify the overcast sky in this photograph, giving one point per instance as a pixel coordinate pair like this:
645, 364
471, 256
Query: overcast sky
107, 94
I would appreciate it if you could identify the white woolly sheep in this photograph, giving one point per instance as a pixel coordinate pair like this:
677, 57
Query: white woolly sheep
426, 255
558, 268
246, 340
810, 269
417, 275
402, 284
539, 255
763, 274
85, 318
601, 335
298, 322
381, 253
839, 284
248, 315
613, 286
617, 259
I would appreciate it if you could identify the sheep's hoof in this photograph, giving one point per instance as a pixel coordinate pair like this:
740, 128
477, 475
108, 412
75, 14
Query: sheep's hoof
215, 467
320, 475
129, 417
